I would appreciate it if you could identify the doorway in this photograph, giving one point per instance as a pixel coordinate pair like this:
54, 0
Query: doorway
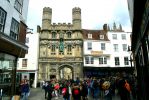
52, 76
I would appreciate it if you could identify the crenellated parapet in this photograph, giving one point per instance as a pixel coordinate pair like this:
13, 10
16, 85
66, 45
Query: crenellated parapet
61, 26
76, 10
47, 19
47, 9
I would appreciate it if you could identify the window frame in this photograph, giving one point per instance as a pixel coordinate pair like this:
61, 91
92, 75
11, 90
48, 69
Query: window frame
53, 48
103, 46
89, 35
89, 45
19, 5
114, 36
123, 36
53, 35
102, 60
124, 47
89, 60
3, 18
101, 37
14, 27
69, 34
69, 48
24, 63
126, 60
115, 47
117, 61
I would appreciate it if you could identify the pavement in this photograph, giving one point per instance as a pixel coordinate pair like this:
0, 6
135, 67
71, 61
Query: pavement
38, 94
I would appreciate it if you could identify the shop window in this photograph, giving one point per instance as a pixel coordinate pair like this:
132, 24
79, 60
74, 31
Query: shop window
7, 64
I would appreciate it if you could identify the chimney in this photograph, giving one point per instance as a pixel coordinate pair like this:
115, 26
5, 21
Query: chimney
38, 29
105, 28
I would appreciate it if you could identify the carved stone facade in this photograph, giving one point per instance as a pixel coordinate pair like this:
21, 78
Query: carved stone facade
60, 47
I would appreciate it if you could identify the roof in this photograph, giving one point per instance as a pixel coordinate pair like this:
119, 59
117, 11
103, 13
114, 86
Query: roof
95, 34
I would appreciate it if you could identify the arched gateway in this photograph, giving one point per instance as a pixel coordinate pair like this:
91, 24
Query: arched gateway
65, 72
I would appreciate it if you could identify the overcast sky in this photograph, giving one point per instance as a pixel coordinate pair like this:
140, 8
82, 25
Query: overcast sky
94, 13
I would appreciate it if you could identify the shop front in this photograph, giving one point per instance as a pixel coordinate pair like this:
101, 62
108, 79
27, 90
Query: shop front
101, 72
7, 70
10, 51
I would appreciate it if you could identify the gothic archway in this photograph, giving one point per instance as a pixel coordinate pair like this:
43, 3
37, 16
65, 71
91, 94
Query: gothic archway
66, 72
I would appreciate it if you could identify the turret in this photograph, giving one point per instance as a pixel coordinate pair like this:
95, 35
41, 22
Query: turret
114, 26
108, 28
46, 17
76, 18
120, 27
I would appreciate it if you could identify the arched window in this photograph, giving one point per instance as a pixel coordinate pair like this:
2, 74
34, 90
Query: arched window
54, 35
68, 34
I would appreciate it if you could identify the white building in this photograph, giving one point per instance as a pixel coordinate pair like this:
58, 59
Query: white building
119, 48
13, 17
106, 51
28, 66
96, 49
13, 12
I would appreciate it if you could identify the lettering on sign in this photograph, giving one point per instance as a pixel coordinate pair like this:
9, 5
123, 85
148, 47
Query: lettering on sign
96, 52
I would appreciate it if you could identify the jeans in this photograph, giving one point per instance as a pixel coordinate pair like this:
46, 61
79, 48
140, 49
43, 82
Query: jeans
25, 96
66, 98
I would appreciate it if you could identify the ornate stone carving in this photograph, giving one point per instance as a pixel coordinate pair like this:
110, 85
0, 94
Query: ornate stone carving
44, 42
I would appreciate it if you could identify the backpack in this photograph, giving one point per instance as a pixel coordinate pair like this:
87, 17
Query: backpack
76, 91
64, 90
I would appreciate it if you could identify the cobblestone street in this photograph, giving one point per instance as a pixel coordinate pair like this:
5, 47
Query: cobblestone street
38, 94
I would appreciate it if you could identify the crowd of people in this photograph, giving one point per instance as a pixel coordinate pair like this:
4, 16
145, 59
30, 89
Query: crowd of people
96, 88
23, 91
